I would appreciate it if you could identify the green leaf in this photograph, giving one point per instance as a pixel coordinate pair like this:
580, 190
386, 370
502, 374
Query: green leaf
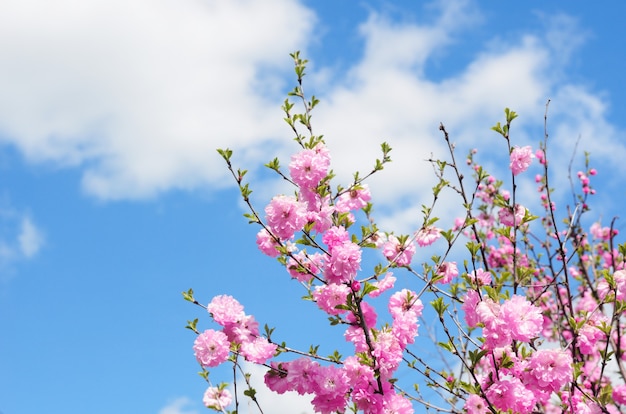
192, 325
226, 154
188, 296
368, 288
510, 115
250, 392
439, 306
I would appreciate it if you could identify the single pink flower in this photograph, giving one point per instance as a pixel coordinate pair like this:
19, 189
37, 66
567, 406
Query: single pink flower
475, 405
507, 217
258, 351
303, 266
427, 236
226, 310
405, 301
211, 348
354, 199
547, 371
344, 263
335, 236
397, 253
404, 328
302, 375
510, 394
267, 244
619, 394
216, 399
447, 271
521, 159
285, 216
470, 301
329, 296
308, 167
480, 277
524, 319
383, 285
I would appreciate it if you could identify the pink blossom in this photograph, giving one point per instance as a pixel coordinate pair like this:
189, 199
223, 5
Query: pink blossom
320, 212
404, 328
276, 377
335, 236
508, 219
619, 394
266, 243
540, 155
589, 335
547, 371
397, 253
447, 271
496, 331
344, 263
354, 199
211, 348
397, 404
285, 216
329, 296
360, 375
330, 391
523, 318
258, 351
383, 285
599, 232
302, 375
303, 266
308, 167
480, 277
619, 278
521, 159
216, 399
510, 394
243, 331
354, 332
226, 310
427, 236
470, 301
387, 351
476, 405
405, 301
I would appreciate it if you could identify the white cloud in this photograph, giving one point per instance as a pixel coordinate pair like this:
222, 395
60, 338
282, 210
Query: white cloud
30, 238
140, 94
179, 406
386, 96
20, 239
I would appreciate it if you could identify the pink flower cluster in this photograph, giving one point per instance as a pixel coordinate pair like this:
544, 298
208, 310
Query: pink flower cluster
332, 386
523, 294
241, 332
514, 320
520, 383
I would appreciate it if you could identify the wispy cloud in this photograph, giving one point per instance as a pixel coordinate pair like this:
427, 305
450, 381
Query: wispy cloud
387, 96
179, 405
30, 238
140, 94
20, 239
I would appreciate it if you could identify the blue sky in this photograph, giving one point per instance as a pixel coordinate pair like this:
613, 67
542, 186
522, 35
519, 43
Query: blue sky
113, 199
